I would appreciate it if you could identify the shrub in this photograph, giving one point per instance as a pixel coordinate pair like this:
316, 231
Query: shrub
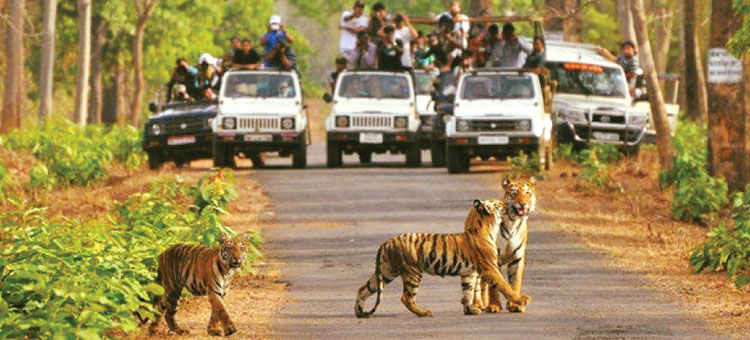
698, 196
86, 279
597, 162
728, 247
566, 152
523, 165
8, 184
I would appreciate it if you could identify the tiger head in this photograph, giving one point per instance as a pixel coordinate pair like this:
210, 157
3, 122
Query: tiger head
233, 250
490, 211
520, 196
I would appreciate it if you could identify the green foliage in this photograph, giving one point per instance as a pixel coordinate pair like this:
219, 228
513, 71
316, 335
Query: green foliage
8, 184
524, 165
698, 196
566, 152
71, 155
63, 278
40, 178
727, 247
739, 43
598, 162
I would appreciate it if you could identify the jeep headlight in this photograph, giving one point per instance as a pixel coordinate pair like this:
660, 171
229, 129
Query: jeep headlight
463, 125
637, 119
229, 123
287, 123
523, 125
156, 129
572, 116
401, 122
342, 121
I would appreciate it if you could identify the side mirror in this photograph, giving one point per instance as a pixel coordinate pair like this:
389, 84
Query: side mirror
328, 98
153, 107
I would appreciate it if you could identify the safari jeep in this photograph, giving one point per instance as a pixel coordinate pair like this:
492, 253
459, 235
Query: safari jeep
497, 113
423, 82
179, 133
260, 111
373, 112
592, 101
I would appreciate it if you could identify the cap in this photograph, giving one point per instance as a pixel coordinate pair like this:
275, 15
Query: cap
275, 22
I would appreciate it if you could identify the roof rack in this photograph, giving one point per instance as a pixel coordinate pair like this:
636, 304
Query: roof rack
431, 21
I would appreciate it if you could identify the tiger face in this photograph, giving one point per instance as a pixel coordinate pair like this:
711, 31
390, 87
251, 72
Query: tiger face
233, 251
520, 196
490, 209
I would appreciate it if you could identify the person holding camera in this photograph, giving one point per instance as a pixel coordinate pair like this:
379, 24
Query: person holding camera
185, 75
511, 51
390, 51
282, 57
405, 32
272, 37
378, 22
364, 56
352, 23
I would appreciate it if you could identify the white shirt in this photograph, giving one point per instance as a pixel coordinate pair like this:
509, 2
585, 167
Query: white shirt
348, 40
405, 35
461, 26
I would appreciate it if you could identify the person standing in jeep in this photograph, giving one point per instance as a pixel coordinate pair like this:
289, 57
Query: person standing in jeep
390, 51
246, 58
352, 23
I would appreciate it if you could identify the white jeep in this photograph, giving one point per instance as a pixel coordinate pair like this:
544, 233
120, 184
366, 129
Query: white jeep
592, 100
260, 111
373, 112
497, 113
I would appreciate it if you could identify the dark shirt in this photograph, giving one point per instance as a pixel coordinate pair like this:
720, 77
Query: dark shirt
242, 58
439, 53
389, 58
535, 60
290, 55
375, 26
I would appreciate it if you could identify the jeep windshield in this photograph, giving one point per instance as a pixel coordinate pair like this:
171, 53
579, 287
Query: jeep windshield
423, 82
259, 86
587, 79
497, 86
374, 86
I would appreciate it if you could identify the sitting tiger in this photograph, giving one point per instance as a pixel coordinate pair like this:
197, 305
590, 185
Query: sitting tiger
203, 271
520, 201
467, 254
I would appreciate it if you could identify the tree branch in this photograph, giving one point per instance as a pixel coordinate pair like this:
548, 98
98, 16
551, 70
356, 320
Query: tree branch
567, 14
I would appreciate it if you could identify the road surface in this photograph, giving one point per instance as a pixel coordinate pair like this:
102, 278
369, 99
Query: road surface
331, 223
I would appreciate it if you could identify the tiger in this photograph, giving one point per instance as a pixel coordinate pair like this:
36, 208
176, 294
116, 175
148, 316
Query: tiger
520, 201
469, 254
203, 271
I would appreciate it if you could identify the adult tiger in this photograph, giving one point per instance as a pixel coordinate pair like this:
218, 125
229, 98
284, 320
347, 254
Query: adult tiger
520, 201
203, 271
466, 254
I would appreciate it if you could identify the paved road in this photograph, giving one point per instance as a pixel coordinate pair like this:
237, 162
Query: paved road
334, 220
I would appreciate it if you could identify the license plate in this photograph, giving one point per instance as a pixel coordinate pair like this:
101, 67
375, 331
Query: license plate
493, 140
181, 140
371, 138
258, 138
606, 136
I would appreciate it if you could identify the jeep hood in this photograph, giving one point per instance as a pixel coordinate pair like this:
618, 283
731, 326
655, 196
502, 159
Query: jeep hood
496, 109
425, 104
374, 106
584, 103
266, 106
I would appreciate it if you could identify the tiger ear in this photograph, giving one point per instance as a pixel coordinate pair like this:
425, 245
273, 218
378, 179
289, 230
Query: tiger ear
505, 181
479, 206
223, 238
533, 180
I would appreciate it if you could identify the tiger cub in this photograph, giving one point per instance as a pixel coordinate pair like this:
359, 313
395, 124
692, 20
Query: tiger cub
203, 271
468, 254
520, 201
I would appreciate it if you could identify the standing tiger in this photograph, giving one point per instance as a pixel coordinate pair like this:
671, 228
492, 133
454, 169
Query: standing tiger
520, 201
203, 271
469, 254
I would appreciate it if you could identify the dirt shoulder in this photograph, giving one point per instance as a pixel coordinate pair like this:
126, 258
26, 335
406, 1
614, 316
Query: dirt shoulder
635, 230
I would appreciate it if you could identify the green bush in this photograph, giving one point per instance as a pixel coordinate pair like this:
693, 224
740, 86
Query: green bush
8, 185
728, 247
85, 279
698, 196
75, 155
523, 165
598, 162
566, 152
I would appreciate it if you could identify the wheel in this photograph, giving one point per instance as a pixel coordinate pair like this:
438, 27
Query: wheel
258, 159
155, 159
437, 151
299, 156
414, 155
365, 157
456, 161
181, 163
334, 158
220, 156
230, 160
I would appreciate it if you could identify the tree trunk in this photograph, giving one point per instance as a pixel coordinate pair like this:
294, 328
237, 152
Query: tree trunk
656, 99
143, 10
625, 18
80, 115
48, 59
663, 38
478, 5
97, 48
744, 125
725, 118
566, 17
13, 97
694, 78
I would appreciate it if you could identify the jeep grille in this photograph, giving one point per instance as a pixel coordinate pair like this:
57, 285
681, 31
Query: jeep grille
372, 121
493, 125
258, 124
184, 126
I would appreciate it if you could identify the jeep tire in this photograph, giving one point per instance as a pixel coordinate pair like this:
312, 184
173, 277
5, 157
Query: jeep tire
334, 159
456, 160
437, 151
155, 159
299, 155
220, 156
258, 159
413, 155
365, 157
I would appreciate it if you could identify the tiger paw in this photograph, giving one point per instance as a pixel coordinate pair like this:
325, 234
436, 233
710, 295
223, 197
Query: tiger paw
179, 331
514, 308
215, 331
472, 310
493, 308
229, 330
521, 300
425, 314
